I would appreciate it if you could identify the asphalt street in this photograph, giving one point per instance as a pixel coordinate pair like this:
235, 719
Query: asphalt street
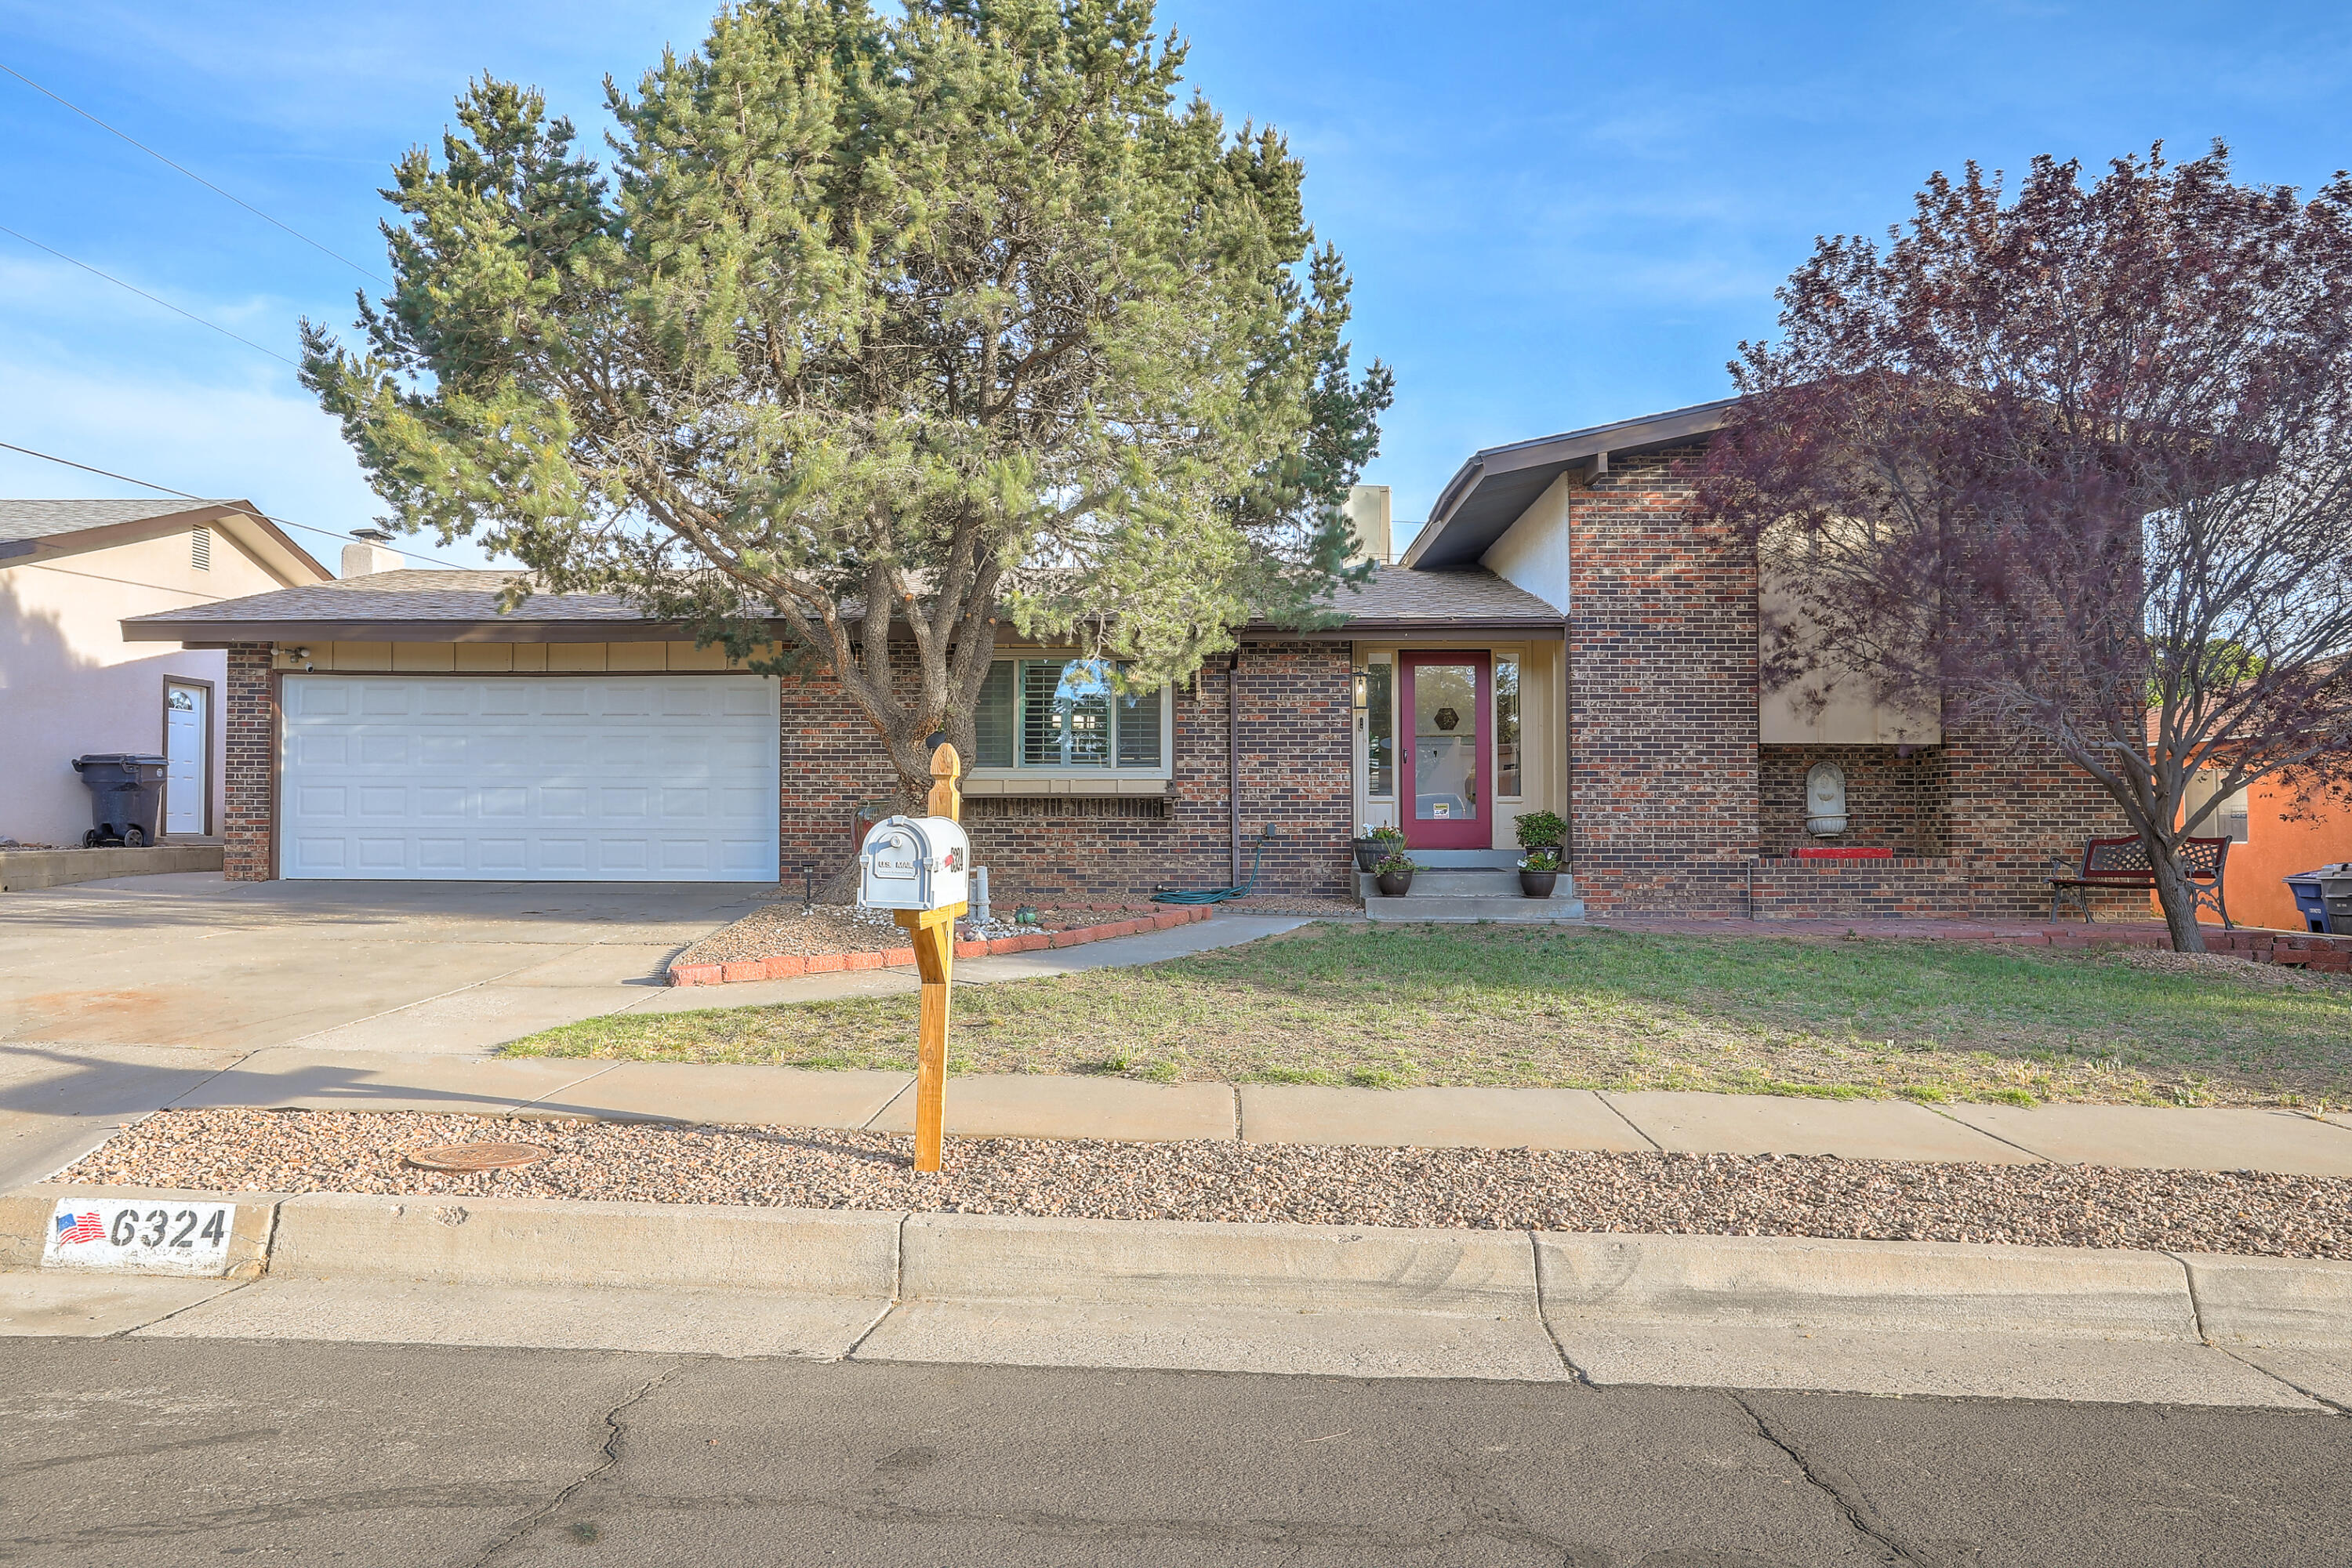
130, 1452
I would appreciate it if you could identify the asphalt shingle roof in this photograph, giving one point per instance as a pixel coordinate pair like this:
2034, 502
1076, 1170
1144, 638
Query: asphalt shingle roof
455, 598
48, 519
406, 596
1400, 593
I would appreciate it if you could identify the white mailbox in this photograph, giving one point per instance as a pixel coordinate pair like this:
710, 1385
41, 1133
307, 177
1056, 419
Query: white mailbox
914, 863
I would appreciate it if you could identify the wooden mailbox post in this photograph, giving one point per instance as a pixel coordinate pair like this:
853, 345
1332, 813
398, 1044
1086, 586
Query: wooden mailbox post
933, 932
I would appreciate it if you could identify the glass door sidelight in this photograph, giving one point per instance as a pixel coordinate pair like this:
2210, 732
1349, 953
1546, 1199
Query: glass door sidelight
1448, 796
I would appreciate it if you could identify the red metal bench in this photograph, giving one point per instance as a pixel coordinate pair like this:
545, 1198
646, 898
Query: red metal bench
2121, 863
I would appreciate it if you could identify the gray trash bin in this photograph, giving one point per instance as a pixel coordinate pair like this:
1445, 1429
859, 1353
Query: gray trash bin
126, 796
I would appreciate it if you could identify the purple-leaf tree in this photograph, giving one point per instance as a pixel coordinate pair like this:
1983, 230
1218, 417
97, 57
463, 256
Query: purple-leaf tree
2077, 465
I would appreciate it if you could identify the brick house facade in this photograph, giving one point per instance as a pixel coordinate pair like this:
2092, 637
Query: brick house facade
1294, 772
1618, 635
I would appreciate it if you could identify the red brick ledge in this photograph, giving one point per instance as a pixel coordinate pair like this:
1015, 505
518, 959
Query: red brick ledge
792, 966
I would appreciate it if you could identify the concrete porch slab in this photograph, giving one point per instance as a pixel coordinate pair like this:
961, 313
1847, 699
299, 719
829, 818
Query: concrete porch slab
291, 1077
725, 1093
1433, 1118
990, 1105
2163, 1137
1779, 1124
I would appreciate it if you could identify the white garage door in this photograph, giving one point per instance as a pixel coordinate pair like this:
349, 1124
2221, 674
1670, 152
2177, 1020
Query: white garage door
653, 778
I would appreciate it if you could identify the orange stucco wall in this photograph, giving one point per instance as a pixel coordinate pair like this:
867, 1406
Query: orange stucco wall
2275, 847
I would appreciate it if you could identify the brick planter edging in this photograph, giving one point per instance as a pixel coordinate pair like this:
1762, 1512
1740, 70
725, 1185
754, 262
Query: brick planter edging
2295, 950
792, 966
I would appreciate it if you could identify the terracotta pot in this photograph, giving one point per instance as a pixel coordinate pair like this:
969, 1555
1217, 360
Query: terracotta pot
1369, 852
1538, 884
1394, 884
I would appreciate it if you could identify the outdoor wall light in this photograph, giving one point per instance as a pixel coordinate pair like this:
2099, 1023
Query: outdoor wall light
1363, 689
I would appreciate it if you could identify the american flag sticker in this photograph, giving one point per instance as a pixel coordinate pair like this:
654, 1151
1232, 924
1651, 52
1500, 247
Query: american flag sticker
73, 1228
139, 1235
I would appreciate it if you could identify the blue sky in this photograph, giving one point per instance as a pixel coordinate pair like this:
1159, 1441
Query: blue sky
1557, 214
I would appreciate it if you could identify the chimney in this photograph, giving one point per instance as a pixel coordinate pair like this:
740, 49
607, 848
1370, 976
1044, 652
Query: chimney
372, 554
1368, 511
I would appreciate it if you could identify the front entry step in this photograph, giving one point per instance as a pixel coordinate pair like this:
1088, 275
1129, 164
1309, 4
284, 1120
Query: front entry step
1471, 893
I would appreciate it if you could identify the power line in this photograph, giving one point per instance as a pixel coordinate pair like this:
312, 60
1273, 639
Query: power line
143, 294
199, 179
184, 495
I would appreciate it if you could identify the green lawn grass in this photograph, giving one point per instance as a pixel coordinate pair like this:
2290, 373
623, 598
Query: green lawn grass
1394, 1006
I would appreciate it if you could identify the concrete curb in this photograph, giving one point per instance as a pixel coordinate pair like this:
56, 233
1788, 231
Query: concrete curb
544, 1241
1875, 1286
1043, 1292
24, 871
792, 966
25, 1223
1287, 1267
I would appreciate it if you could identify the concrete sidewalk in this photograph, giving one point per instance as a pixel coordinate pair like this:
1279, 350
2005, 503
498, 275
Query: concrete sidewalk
57, 1104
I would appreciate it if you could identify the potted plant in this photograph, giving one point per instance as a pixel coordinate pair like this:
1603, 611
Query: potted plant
1375, 844
1541, 830
1539, 872
1394, 875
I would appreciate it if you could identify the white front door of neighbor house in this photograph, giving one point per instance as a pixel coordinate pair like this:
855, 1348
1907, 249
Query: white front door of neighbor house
650, 778
187, 737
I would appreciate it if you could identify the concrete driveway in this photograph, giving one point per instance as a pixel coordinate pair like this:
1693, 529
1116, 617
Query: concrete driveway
194, 961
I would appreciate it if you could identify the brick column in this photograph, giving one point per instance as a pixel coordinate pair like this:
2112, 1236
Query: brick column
249, 766
1663, 645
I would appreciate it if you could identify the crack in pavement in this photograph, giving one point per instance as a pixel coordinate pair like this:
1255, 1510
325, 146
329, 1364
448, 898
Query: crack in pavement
1834, 1484
2335, 1405
608, 1457
147, 1451
450, 1496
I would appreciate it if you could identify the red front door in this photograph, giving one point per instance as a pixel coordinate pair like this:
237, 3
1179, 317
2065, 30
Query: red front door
1442, 700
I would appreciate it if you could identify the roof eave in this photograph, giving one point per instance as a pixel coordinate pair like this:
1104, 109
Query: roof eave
242, 519
1442, 537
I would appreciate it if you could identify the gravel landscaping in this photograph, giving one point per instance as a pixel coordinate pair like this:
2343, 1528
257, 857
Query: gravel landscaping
292, 1152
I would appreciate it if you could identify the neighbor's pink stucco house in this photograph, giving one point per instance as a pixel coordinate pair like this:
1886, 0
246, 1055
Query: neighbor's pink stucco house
69, 572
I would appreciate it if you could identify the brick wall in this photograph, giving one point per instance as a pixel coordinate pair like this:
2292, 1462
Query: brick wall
1672, 795
2011, 807
1891, 803
249, 765
1663, 655
1297, 774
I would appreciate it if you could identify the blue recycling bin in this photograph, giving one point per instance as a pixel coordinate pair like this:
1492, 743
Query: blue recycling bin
2324, 898
126, 796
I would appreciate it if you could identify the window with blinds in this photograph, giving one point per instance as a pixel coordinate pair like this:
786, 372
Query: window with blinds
1061, 713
